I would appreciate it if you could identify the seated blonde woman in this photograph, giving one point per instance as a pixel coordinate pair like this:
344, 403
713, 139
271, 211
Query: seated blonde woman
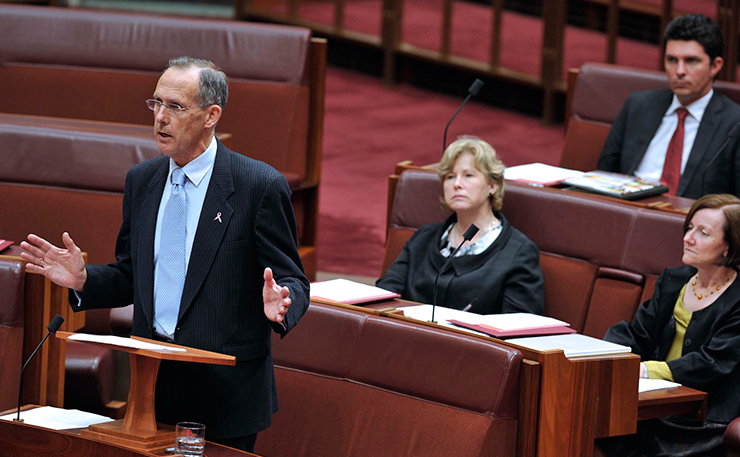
497, 271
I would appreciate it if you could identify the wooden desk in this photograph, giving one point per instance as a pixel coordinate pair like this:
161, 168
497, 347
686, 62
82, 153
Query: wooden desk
43, 380
672, 402
23, 440
581, 399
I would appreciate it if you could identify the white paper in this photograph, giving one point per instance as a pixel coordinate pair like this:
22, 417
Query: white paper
441, 315
513, 321
573, 345
539, 173
346, 291
646, 385
58, 418
124, 342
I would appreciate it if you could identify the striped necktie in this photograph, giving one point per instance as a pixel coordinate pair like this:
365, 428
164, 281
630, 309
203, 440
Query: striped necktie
171, 260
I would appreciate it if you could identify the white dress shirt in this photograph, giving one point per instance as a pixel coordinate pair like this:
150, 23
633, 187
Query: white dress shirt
651, 166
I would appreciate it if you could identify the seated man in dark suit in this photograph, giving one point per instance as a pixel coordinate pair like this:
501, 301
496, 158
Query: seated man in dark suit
672, 135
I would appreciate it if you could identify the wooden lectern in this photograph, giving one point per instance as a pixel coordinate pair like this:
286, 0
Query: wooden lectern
139, 428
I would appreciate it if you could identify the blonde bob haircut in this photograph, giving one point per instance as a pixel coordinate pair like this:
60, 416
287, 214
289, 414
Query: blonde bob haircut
486, 161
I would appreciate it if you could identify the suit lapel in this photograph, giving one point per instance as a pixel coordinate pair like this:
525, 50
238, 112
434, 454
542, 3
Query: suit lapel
211, 230
653, 119
148, 215
700, 149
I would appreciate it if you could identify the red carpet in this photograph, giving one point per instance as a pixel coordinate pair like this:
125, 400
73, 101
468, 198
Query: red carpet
369, 128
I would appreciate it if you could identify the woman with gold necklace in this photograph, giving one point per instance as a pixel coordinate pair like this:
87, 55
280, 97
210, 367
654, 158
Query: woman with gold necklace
497, 271
689, 332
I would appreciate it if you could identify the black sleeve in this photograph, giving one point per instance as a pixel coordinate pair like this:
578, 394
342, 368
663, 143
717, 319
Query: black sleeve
714, 360
394, 279
276, 238
611, 153
523, 289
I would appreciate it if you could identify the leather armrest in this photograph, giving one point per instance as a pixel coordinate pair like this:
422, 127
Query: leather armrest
732, 436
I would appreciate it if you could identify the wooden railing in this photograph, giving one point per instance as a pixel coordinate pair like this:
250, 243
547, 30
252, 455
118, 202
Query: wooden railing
553, 20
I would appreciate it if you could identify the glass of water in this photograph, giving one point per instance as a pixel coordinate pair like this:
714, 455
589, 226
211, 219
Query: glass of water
190, 438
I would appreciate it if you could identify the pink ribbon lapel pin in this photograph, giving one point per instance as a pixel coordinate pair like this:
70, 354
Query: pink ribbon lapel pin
218, 218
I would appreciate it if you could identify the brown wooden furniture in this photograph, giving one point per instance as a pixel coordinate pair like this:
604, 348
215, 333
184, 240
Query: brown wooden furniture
12, 280
353, 382
23, 440
672, 402
389, 38
53, 59
597, 393
139, 428
43, 380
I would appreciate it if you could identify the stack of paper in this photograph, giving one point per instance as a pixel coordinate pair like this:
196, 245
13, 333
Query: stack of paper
348, 292
540, 174
572, 345
513, 325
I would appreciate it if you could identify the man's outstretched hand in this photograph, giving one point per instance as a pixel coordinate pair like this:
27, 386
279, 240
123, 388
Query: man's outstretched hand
275, 298
64, 267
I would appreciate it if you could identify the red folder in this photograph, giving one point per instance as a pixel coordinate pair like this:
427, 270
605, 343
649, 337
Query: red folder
537, 331
5, 244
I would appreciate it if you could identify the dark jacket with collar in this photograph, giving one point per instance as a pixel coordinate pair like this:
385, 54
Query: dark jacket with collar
221, 308
639, 119
505, 278
711, 350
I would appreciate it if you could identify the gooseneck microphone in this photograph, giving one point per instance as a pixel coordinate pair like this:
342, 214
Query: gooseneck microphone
467, 236
733, 133
53, 326
472, 92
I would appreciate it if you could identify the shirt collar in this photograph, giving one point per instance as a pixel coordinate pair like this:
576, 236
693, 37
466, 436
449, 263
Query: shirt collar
197, 169
696, 108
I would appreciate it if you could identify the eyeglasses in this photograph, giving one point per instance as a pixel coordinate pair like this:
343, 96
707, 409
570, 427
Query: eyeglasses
172, 108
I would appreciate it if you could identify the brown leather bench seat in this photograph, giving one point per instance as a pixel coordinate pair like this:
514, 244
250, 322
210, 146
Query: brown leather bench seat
12, 280
354, 383
600, 259
99, 65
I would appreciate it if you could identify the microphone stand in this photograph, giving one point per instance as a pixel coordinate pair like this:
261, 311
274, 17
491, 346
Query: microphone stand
472, 92
467, 236
53, 326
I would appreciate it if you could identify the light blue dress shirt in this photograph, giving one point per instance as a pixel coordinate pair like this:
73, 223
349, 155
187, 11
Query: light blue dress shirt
198, 173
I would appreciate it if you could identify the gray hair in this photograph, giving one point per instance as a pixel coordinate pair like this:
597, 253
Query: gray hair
213, 88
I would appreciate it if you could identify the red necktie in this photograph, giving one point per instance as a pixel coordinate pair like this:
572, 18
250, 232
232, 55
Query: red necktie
672, 166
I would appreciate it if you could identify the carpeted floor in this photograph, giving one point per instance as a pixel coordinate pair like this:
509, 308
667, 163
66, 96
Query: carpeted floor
369, 128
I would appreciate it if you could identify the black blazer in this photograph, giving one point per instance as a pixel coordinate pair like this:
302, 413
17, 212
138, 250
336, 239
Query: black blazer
711, 352
505, 278
222, 308
639, 119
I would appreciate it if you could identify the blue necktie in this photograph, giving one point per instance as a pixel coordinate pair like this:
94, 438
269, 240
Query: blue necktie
171, 261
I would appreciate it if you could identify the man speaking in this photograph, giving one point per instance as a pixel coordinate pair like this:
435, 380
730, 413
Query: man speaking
672, 135
207, 252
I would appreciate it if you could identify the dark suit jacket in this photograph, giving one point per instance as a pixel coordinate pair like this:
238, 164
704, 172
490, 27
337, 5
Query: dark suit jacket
640, 118
505, 278
710, 360
222, 308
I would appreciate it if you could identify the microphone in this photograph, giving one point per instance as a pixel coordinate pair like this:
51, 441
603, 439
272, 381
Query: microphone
472, 92
467, 236
53, 326
730, 137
